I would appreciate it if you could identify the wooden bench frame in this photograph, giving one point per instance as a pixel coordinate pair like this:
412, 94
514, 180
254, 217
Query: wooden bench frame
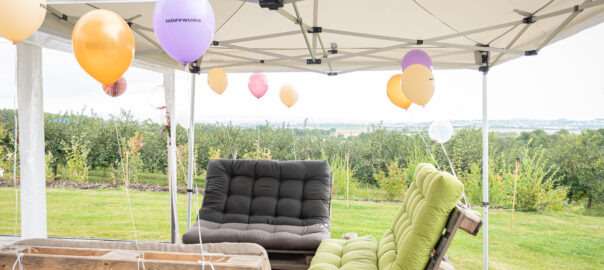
460, 218
59, 258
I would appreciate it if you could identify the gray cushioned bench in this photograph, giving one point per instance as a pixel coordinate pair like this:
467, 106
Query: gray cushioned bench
281, 205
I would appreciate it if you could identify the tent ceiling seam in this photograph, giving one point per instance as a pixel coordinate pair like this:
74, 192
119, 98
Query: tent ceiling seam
230, 17
442, 21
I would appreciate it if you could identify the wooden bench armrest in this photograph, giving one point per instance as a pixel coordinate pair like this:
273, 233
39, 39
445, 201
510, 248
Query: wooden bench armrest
460, 218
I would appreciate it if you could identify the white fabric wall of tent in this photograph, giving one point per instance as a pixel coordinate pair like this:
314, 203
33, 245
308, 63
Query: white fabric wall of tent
327, 37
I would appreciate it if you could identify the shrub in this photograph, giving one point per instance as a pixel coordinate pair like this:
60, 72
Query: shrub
472, 182
131, 153
76, 169
393, 180
337, 165
265, 153
536, 190
49, 159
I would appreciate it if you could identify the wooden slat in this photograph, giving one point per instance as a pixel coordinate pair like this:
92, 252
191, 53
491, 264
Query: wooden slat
287, 265
281, 251
66, 251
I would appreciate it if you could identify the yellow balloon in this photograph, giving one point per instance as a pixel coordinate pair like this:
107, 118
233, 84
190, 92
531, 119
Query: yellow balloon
417, 83
103, 44
395, 93
288, 95
218, 81
19, 19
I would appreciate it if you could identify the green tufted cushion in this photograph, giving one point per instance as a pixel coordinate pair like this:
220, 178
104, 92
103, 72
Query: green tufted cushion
420, 221
357, 254
416, 229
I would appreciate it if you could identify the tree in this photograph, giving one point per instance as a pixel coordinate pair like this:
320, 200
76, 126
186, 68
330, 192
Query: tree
581, 166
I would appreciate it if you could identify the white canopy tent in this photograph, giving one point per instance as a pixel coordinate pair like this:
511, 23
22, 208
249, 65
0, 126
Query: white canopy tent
327, 37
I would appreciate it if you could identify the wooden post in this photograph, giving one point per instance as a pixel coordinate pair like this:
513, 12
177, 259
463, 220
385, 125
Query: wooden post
347, 176
514, 197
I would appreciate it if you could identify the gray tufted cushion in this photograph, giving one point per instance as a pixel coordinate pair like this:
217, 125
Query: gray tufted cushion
277, 204
267, 191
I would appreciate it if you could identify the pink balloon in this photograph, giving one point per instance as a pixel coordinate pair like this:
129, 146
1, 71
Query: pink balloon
117, 88
258, 85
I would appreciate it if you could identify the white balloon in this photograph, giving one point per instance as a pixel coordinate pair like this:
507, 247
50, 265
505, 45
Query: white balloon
441, 131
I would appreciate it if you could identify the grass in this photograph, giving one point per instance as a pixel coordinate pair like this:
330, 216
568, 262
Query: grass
539, 240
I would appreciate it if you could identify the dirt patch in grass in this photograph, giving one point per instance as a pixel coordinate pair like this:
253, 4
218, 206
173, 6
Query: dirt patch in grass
98, 186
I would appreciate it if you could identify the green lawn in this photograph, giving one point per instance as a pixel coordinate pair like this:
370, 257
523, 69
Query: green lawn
539, 240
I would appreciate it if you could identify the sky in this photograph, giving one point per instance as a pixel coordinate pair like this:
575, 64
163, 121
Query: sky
566, 80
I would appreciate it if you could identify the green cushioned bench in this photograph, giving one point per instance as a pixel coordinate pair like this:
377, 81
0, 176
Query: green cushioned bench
420, 234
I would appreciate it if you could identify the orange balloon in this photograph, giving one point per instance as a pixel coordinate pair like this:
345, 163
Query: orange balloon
395, 93
103, 44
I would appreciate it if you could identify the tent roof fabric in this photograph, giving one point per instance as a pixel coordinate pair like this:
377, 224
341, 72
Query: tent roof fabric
347, 35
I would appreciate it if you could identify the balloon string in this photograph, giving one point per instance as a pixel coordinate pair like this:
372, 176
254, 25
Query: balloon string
140, 260
427, 148
233, 151
293, 142
425, 144
258, 129
203, 260
463, 193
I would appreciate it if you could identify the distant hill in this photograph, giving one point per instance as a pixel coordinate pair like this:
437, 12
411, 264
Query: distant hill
499, 126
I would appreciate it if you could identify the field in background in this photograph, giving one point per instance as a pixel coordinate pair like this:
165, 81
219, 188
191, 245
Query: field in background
540, 240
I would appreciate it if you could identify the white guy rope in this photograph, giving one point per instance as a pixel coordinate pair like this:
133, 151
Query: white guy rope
18, 261
140, 261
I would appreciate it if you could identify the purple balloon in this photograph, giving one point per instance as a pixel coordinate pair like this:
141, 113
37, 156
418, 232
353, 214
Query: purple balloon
184, 28
414, 57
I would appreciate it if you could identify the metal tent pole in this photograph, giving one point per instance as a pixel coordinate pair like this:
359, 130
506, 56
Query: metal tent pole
485, 171
191, 149
169, 89
31, 139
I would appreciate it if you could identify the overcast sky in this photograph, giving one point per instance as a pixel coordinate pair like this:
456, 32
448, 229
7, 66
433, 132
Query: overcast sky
566, 80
